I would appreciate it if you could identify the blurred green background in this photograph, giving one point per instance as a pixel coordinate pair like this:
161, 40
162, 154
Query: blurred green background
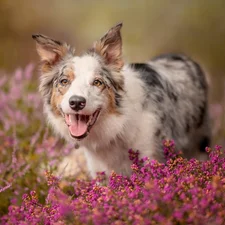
193, 27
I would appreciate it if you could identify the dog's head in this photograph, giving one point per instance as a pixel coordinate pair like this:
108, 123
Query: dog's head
81, 90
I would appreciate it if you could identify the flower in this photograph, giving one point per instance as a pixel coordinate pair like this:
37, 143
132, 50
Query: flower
179, 191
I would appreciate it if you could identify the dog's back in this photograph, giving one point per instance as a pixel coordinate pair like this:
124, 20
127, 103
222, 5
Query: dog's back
176, 92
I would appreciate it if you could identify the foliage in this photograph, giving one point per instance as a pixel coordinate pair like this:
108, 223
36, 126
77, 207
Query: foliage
180, 191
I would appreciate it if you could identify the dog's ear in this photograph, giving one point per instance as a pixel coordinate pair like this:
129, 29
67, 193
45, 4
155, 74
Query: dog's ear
49, 50
110, 47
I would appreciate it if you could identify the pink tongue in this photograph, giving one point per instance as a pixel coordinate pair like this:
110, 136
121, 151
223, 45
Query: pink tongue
77, 127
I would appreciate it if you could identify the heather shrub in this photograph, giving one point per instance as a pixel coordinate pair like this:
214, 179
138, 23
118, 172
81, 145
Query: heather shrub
27, 147
179, 191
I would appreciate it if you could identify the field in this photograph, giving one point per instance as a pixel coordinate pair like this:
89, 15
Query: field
33, 191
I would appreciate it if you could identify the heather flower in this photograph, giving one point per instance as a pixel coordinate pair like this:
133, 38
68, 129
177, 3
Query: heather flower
179, 191
51, 180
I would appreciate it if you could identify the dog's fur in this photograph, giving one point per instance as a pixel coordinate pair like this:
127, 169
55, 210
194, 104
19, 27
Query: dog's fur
141, 104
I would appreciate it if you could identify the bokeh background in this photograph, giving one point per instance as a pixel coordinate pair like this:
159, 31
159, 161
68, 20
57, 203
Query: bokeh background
151, 27
193, 27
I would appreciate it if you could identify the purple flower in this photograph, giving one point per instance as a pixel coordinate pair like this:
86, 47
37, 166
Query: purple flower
179, 191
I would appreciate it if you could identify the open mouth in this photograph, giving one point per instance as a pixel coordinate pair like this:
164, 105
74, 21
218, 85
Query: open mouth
80, 125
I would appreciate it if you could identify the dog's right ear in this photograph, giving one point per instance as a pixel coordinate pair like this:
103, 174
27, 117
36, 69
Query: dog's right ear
49, 50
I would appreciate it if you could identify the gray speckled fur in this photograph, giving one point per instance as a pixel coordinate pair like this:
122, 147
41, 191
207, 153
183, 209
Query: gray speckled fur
176, 90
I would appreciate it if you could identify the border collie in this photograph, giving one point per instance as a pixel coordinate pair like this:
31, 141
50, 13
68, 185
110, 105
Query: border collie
97, 101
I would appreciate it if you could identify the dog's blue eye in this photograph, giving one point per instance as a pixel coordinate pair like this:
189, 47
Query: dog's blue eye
64, 82
97, 83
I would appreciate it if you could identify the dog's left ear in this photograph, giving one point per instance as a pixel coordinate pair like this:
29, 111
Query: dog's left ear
110, 47
49, 50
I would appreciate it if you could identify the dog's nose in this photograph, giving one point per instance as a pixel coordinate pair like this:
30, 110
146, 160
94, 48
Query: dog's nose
77, 102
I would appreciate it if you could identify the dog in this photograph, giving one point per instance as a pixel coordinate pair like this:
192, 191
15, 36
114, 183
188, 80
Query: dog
97, 101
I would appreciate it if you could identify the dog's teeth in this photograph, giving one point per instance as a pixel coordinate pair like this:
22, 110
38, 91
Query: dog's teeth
92, 120
72, 118
95, 115
89, 120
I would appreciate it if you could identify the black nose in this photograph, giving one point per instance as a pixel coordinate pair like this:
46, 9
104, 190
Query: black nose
77, 102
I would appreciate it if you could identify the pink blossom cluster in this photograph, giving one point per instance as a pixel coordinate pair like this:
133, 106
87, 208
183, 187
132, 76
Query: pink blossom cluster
179, 191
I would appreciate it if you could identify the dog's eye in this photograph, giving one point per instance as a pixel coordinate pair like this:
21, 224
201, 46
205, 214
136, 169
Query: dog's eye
97, 83
64, 82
